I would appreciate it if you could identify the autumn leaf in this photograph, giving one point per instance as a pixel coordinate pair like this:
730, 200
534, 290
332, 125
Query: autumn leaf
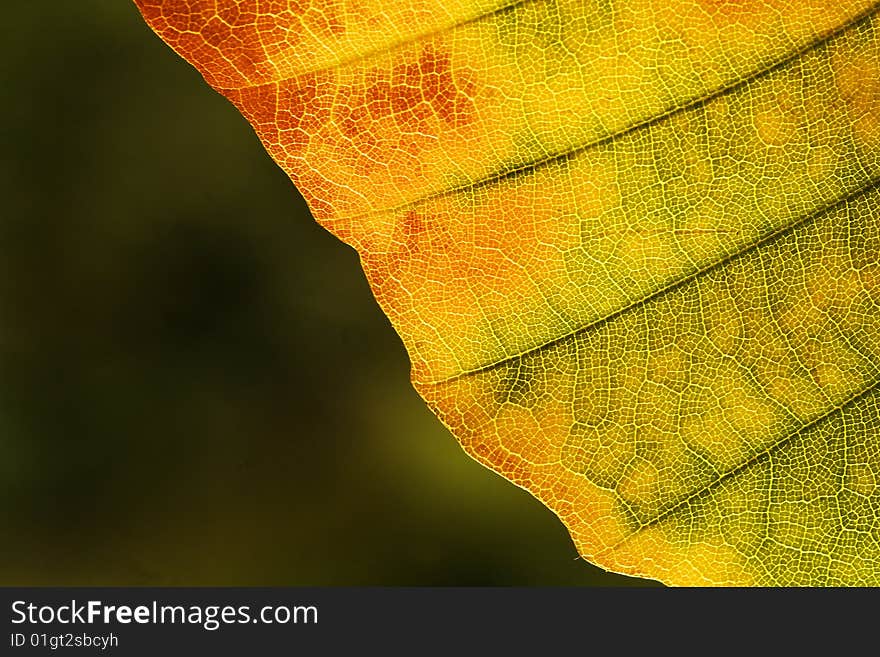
632, 248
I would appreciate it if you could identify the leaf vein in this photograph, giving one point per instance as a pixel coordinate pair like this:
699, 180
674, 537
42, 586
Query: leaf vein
415, 38
756, 458
694, 103
872, 185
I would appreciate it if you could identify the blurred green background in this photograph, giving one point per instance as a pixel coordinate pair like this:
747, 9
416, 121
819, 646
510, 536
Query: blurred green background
196, 385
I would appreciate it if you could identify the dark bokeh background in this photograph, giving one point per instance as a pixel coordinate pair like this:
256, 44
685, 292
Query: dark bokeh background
196, 385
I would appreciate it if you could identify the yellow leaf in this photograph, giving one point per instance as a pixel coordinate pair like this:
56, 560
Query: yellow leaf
632, 247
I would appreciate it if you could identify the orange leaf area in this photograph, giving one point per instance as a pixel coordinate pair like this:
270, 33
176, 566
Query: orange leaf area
632, 248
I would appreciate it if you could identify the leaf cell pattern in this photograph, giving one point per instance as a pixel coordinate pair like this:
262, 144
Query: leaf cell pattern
632, 248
